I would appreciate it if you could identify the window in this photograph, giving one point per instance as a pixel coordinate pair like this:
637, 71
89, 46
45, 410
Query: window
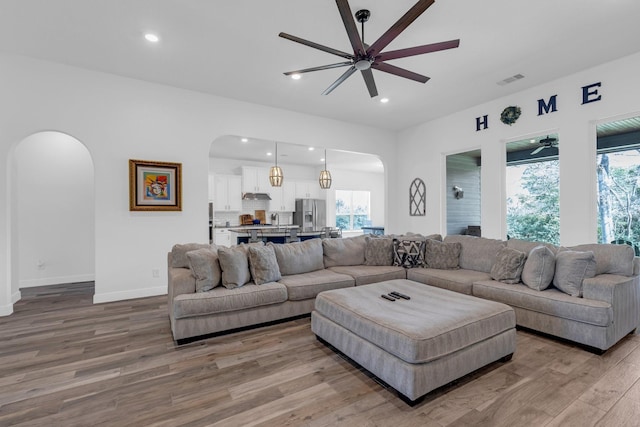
352, 209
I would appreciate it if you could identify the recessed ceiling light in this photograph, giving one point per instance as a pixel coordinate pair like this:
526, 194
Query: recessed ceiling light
384, 100
150, 37
296, 76
322, 159
244, 140
269, 154
311, 148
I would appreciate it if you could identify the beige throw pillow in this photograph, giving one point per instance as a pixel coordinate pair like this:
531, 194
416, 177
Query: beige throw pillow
378, 251
508, 265
234, 262
443, 256
263, 264
205, 267
539, 268
572, 267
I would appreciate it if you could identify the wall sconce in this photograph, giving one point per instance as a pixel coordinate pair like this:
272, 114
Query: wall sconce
458, 193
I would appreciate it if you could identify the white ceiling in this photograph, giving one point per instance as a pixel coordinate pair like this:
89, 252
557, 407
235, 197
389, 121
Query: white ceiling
232, 48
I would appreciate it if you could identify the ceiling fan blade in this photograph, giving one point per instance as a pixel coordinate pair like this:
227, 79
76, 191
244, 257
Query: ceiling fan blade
392, 69
322, 67
350, 26
399, 26
341, 79
371, 84
537, 150
316, 46
418, 50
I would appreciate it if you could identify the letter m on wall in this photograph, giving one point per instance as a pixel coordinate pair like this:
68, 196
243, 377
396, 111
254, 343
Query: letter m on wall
547, 107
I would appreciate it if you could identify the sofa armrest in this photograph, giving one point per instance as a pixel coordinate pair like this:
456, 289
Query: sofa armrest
180, 281
623, 293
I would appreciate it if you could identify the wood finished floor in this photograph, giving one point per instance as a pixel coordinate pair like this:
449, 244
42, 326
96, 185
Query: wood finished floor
67, 362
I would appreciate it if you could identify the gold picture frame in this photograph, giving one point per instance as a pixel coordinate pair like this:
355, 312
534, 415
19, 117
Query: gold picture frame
155, 186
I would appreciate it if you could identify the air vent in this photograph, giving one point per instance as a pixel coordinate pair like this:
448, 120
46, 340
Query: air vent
510, 79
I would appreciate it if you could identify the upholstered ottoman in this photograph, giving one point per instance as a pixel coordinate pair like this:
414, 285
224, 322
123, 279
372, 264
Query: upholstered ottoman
414, 345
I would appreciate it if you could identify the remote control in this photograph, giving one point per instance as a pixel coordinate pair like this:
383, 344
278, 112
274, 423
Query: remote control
399, 295
388, 297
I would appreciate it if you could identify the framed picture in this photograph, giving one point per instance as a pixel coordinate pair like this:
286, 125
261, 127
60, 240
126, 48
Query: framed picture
155, 186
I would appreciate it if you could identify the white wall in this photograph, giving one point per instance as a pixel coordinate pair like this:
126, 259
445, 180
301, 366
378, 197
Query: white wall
119, 119
55, 210
575, 124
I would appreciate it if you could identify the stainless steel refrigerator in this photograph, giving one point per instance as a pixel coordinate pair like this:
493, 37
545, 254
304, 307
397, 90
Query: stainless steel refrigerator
310, 214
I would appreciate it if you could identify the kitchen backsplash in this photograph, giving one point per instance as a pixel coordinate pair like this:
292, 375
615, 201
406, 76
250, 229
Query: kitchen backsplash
249, 207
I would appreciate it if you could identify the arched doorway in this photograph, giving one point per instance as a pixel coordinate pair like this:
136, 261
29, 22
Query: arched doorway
53, 211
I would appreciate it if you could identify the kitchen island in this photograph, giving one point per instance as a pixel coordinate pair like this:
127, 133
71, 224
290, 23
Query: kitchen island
271, 233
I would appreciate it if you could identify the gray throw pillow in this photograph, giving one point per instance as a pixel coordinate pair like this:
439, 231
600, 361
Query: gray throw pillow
443, 256
378, 251
263, 264
539, 268
179, 253
508, 265
572, 267
408, 253
205, 267
234, 262
299, 257
343, 251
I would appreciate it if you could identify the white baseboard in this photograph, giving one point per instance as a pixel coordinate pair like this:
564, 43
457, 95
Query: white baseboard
7, 310
47, 281
124, 295
15, 297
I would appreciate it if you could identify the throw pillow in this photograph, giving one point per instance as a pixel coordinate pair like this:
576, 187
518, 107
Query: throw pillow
234, 263
179, 253
572, 267
263, 264
508, 265
343, 251
378, 251
408, 253
205, 267
298, 257
443, 256
539, 268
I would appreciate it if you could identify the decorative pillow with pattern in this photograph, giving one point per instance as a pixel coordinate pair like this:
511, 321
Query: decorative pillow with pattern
378, 251
443, 256
508, 265
408, 253
263, 264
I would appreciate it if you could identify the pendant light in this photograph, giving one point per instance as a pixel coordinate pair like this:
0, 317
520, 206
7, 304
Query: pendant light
275, 173
325, 175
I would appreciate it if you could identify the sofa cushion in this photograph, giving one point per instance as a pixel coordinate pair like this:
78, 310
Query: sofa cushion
526, 245
299, 257
365, 274
308, 285
234, 262
378, 251
444, 256
453, 280
179, 253
221, 300
508, 265
539, 268
344, 251
205, 267
610, 259
263, 264
478, 253
408, 253
572, 267
551, 302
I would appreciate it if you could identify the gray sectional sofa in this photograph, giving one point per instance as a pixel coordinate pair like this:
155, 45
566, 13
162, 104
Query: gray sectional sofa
593, 298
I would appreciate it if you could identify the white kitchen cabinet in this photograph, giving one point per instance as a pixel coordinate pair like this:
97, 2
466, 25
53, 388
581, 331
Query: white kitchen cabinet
255, 180
222, 237
309, 190
283, 199
227, 193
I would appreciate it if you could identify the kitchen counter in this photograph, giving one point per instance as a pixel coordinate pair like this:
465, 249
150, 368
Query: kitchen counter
273, 233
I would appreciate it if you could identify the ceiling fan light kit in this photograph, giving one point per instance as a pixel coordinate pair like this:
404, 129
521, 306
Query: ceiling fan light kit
367, 57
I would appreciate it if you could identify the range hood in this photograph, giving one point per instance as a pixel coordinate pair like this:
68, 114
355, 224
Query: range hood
255, 196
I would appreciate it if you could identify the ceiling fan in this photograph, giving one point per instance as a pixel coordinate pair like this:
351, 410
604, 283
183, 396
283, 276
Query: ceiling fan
547, 142
366, 57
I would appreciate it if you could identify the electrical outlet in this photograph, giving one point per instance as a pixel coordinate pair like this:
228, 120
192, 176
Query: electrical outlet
155, 273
